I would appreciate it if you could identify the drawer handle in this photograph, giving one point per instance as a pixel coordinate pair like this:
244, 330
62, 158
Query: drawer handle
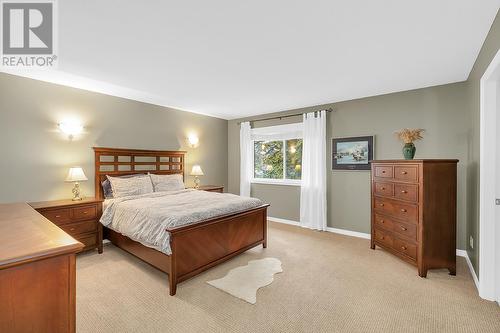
404, 192
382, 221
85, 212
403, 248
58, 216
403, 228
383, 171
381, 205
383, 188
72, 229
404, 172
403, 210
382, 238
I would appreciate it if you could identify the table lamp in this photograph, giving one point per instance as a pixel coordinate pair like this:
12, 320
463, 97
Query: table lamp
196, 171
76, 175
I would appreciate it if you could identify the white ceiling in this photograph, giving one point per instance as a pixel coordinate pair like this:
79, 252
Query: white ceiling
233, 59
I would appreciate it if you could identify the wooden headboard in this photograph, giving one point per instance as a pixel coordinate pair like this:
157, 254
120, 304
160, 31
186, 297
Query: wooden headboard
122, 162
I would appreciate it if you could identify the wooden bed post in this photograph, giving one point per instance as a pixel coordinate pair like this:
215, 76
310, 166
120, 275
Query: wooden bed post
172, 276
264, 243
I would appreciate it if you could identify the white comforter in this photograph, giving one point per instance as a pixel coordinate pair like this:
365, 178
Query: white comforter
144, 218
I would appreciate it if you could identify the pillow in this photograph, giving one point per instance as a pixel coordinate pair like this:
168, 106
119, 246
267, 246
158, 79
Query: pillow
106, 185
106, 188
127, 186
167, 182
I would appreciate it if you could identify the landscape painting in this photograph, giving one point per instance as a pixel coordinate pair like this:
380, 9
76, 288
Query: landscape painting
352, 153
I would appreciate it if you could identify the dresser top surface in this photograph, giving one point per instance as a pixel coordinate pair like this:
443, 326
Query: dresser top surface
25, 235
428, 160
209, 187
63, 203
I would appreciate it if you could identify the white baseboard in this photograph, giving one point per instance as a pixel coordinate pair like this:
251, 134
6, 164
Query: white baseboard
329, 229
276, 219
463, 253
349, 233
460, 253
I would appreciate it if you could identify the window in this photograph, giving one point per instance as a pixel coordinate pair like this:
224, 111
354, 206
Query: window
278, 161
277, 154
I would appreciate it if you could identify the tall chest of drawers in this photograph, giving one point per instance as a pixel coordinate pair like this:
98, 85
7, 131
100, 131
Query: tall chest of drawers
414, 211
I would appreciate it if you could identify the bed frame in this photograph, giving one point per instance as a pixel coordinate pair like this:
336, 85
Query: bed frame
195, 247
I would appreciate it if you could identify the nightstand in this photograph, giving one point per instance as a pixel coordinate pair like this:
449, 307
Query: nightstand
211, 188
80, 219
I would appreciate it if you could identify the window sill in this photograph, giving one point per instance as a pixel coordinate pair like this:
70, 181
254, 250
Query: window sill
276, 182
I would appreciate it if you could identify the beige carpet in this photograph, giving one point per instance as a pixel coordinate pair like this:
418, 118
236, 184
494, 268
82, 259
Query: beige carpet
343, 287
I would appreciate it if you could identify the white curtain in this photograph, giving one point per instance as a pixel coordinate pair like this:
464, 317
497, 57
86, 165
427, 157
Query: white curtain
313, 188
245, 158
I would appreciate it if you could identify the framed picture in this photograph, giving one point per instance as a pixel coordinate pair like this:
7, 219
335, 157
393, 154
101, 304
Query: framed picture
352, 153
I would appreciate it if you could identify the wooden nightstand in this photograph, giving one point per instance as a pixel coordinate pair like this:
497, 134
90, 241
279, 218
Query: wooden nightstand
211, 188
80, 219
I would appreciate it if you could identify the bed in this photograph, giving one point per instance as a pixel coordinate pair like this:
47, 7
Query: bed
193, 247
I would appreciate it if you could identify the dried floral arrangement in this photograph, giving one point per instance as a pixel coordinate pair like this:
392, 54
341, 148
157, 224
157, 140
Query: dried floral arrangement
409, 135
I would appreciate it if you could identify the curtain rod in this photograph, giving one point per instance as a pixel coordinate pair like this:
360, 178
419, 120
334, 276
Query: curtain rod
285, 116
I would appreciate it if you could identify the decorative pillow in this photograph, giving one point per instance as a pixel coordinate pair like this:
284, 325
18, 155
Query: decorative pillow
127, 186
163, 183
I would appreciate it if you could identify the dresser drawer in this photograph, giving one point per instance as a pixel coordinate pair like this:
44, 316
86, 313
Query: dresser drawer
383, 237
406, 212
383, 222
58, 216
89, 241
218, 190
80, 227
383, 171
407, 230
385, 189
406, 192
407, 248
406, 173
88, 212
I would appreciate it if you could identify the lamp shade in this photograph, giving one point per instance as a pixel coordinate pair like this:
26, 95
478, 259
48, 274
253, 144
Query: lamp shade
76, 174
196, 171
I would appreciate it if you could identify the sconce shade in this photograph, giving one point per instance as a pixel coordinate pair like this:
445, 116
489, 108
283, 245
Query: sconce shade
196, 171
71, 128
76, 174
193, 140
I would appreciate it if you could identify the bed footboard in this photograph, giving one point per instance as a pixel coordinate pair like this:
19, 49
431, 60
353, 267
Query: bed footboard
196, 248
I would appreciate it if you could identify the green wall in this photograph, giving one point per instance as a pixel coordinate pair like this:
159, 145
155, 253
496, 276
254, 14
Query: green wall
442, 111
490, 48
35, 156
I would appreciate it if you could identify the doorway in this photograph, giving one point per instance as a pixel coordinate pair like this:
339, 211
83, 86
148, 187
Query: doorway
489, 216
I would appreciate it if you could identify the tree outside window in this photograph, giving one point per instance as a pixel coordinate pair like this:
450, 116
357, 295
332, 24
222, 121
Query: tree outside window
278, 159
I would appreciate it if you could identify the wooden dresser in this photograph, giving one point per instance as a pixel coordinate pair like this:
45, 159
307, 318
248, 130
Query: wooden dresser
80, 219
414, 211
37, 273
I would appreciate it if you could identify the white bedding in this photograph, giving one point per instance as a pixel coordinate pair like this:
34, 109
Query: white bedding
145, 217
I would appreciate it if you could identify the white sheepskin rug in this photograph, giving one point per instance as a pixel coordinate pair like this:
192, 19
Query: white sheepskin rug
243, 282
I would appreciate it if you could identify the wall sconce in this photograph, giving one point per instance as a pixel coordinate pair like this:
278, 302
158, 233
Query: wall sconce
71, 128
193, 140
